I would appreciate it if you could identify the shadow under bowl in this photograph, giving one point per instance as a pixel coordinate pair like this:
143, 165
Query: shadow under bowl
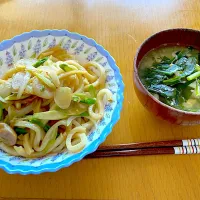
179, 36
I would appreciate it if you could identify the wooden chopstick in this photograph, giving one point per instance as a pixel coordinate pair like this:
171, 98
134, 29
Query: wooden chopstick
168, 143
189, 146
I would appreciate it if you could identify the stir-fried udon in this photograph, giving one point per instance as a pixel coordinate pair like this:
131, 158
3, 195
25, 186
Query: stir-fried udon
50, 104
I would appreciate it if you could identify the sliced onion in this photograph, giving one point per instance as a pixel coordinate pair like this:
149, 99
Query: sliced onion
38, 90
25, 81
17, 80
26, 62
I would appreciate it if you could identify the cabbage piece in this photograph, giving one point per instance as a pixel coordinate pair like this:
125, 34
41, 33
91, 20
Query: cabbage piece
52, 72
51, 115
75, 109
40, 62
12, 112
40, 123
45, 80
41, 90
22, 87
54, 78
17, 81
13, 97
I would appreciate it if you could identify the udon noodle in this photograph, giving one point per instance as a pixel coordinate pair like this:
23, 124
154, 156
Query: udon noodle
50, 104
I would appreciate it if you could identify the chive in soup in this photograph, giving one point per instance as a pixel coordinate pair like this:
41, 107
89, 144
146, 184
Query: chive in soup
172, 75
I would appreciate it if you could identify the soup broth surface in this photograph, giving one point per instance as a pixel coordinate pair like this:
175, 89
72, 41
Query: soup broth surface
172, 75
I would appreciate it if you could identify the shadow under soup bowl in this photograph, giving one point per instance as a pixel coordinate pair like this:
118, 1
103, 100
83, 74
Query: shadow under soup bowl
167, 75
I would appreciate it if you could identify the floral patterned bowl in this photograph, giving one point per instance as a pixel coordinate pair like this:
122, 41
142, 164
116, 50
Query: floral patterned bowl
31, 44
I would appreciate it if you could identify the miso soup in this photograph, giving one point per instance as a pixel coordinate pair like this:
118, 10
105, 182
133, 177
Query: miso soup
172, 75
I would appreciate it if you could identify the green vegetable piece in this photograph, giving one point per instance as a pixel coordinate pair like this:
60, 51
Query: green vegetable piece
46, 127
189, 66
178, 101
182, 54
166, 60
80, 97
155, 79
181, 86
193, 76
51, 142
172, 81
150, 77
171, 70
163, 66
197, 67
76, 98
92, 91
45, 80
181, 62
186, 93
40, 62
163, 90
179, 55
42, 88
20, 131
39, 123
197, 89
84, 114
65, 67
88, 101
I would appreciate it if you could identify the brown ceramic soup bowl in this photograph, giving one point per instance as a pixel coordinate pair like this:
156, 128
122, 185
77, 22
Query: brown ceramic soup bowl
183, 37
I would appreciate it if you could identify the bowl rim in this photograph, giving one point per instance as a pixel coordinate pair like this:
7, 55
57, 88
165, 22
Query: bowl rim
135, 71
53, 167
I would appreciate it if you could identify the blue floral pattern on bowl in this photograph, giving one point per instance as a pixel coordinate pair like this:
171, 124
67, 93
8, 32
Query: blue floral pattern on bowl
84, 49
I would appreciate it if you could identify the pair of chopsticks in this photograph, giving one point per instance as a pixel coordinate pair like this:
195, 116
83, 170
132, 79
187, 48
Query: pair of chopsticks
189, 146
